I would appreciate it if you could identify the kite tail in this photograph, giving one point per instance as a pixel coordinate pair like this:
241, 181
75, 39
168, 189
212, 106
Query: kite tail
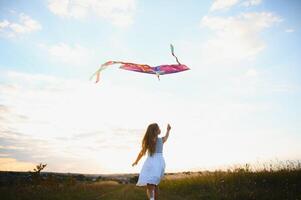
173, 53
102, 67
97, 73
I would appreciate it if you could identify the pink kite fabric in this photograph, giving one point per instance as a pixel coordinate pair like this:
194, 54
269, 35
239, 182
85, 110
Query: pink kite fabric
143, 68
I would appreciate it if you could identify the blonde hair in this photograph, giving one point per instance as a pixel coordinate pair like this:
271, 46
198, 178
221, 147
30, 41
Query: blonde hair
148, 142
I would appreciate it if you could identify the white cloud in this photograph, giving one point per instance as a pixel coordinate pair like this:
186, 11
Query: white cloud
223, 4
68, 108
283, 87
75, 54
25, 25
82, 124
252, 73
290, 30
251, 3
236, 38
4, 24
68, 8
118, 12
227, 4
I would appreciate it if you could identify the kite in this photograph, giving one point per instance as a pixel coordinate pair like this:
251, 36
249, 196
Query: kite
143, 68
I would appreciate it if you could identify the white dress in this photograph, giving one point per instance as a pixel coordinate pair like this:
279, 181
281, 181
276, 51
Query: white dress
153, 167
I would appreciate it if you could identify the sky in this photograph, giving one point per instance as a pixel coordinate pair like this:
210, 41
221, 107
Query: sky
239, 102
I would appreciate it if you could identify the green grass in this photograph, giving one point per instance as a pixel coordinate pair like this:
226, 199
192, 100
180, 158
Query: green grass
239, 184
75, 192
236, 185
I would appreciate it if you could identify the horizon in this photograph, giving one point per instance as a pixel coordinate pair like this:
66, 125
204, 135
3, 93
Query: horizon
276, 165
239, 102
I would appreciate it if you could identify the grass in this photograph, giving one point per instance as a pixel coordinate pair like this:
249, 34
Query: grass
100, 190
279, 183
236, 185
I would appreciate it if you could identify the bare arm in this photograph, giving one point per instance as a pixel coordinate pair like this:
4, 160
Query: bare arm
167, 134
138, 157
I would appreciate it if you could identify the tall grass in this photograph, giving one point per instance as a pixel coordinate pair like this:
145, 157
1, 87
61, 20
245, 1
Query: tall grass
271, 181
239, 183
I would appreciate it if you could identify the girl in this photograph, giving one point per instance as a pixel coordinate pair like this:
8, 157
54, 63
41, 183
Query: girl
154, 166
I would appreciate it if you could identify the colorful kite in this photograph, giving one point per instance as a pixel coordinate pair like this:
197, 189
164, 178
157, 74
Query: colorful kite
143, 68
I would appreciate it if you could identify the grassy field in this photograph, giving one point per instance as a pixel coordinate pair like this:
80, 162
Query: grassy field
241, 184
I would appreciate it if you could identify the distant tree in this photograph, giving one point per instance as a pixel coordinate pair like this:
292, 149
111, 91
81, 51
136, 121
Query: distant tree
36, 174
39, 168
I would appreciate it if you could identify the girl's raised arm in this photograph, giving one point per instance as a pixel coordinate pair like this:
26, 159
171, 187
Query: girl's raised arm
167, 133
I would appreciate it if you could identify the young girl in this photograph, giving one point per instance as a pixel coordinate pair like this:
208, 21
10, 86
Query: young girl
154, 166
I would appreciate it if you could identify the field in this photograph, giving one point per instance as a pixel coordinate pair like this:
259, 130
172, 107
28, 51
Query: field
240, 183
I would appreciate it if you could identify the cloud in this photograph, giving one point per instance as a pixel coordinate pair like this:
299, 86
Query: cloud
119, 12
254, 82
290, 30
11, 147
78, 126
66, 8
227, 4
25, 25
28, 78
4, 24
223, 4
3, 109
78, 112
252, 73
22, 147
11, 164
236, 38
72, 54
249, 3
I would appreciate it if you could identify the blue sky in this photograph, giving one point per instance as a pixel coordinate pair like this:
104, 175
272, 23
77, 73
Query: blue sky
240, 102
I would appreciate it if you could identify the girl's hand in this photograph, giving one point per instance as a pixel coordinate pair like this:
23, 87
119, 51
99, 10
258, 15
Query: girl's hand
168, 127
135, 163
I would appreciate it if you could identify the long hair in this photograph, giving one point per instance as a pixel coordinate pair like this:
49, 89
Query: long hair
148, 142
